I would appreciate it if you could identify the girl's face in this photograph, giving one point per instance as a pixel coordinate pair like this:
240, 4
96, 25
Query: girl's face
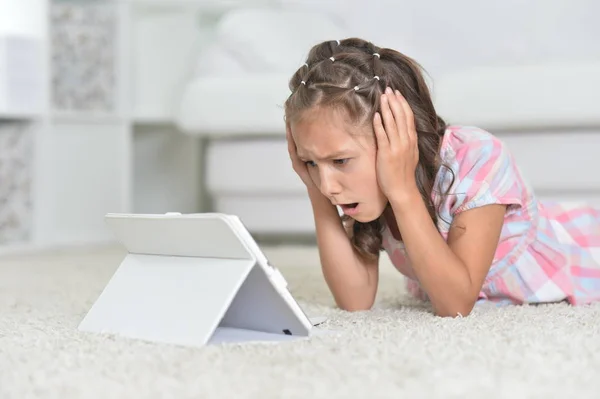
341, 161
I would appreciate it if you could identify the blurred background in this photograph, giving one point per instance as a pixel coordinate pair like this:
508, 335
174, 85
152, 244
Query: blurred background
153, 106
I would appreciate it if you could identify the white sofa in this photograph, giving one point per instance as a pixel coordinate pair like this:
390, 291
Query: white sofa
246, 165
547, 110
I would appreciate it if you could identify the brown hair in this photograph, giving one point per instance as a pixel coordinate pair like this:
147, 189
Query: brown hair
351, 75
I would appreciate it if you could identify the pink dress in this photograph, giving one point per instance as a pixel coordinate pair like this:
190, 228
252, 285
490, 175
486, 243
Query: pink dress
548, 252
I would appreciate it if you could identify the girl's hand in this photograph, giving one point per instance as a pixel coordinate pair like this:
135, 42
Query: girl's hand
397, 150
299, 166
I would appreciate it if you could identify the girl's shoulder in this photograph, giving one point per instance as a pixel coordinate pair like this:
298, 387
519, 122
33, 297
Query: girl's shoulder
463, 141
469, 148
483, 169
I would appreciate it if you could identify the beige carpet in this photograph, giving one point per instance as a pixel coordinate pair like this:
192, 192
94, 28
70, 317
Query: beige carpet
398, 350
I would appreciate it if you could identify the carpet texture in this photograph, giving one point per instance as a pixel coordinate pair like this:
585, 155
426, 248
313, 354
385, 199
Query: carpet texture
398, 350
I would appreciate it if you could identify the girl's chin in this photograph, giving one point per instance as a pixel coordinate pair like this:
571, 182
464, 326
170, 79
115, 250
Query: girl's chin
365, 217
364, 213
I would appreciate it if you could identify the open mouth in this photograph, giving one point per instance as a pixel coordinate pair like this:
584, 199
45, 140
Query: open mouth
350, 208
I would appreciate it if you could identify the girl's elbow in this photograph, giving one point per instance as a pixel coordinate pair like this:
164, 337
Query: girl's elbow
456, 310
356, 300
356, 306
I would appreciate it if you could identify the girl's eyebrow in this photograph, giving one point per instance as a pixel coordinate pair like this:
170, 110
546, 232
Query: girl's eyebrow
333, 155
337, 154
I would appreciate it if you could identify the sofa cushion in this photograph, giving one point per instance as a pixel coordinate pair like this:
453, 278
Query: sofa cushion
214, 59
521, 97
275, 40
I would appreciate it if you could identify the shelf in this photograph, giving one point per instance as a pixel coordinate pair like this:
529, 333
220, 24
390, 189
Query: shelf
217, 5
87, 117
15, 116
153, 120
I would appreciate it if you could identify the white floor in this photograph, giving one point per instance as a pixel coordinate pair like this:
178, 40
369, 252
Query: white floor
397, 350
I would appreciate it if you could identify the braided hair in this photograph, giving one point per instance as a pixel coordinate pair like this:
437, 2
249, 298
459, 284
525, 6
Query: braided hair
352, 74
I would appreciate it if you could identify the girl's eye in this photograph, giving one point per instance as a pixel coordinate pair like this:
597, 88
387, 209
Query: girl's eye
340, 161
310, 163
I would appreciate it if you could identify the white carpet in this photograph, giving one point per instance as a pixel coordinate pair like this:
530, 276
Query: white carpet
398, 350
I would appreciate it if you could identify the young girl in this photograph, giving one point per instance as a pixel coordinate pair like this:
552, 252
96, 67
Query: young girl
447, 203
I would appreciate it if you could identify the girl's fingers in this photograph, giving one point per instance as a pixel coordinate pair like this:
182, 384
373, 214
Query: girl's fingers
389, 123
408, 115
399, 116
380, 134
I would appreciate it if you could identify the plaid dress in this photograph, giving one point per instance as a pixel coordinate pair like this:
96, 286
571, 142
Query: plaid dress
548, 252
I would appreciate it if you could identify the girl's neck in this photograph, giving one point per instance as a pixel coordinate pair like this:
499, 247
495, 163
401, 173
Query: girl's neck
390, 220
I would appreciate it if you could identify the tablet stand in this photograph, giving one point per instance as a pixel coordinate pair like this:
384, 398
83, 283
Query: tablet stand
193, 280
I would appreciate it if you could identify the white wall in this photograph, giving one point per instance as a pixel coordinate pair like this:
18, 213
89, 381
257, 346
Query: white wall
23, 17
166, 170
81, 175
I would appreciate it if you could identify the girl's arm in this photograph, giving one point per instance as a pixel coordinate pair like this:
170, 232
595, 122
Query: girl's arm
452, 273
352, 280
